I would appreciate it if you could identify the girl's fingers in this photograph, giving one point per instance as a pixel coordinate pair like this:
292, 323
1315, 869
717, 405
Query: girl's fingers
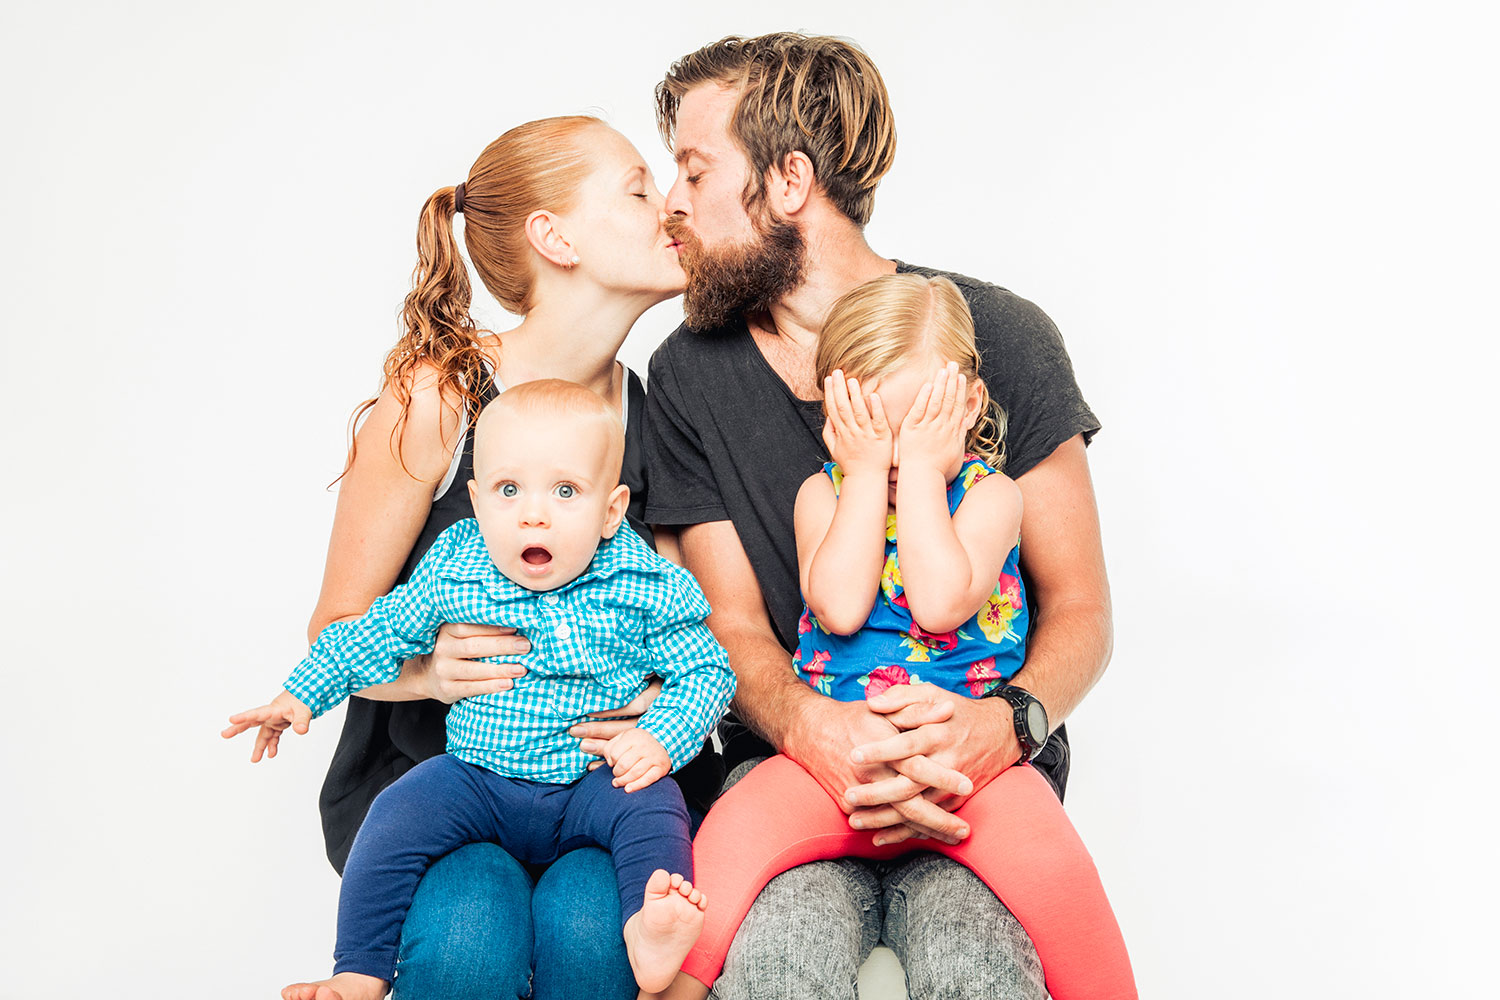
950, 392
918, 405
836, 402
942, 393
877, 416
841, 396
857, 405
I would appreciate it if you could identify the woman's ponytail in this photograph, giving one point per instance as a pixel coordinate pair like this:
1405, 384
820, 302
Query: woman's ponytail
437, 329
538, 165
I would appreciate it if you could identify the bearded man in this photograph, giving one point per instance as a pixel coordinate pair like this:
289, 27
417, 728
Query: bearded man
780, 142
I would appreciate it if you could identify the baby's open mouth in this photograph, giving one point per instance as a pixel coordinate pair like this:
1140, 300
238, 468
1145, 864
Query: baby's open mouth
535, 555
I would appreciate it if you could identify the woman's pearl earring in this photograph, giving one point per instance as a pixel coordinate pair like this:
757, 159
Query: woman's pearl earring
573, 260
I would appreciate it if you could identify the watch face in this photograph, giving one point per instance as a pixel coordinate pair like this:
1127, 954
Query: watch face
1036, 721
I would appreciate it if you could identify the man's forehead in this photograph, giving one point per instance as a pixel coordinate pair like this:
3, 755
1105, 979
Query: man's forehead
703, 119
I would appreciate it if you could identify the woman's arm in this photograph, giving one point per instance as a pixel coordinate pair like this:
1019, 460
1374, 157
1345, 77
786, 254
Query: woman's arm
384, 500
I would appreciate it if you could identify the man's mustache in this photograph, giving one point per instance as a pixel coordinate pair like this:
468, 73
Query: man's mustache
677, 229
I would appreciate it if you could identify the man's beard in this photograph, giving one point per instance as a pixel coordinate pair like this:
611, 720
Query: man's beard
741, 278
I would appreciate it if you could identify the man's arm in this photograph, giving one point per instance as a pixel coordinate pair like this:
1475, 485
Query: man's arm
1071, 640
1072, 635
770, 697
813, 730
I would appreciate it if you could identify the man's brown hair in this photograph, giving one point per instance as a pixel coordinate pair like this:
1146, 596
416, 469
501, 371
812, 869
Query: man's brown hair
811, 93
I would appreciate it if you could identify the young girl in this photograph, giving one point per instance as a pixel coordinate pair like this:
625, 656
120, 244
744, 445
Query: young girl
912, 434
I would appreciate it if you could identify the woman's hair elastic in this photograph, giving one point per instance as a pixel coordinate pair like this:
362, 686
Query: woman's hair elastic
458, 198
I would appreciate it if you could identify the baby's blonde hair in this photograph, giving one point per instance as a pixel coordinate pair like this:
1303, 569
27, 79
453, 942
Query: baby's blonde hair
552, 398
884, 325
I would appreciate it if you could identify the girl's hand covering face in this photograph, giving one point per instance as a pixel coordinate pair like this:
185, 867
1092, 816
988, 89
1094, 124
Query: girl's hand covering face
933, 432
856, 432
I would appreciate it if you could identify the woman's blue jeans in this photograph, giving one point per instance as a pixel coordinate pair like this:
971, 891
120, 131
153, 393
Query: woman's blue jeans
478, 928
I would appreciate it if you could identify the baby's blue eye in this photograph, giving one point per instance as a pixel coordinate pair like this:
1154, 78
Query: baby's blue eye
566, 491
509, 489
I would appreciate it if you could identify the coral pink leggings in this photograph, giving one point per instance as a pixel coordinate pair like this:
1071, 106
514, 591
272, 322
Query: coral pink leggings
1020, 844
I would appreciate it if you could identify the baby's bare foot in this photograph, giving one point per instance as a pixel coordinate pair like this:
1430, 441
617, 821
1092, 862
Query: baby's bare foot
660, 934
344, 986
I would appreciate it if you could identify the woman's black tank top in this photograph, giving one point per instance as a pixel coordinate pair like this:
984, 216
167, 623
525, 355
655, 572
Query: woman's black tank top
383, 740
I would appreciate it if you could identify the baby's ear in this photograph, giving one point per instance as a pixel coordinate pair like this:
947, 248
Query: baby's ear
473, 492
614, 514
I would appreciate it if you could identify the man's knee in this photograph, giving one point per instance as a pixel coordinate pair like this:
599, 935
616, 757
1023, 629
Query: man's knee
955, 939
805, 935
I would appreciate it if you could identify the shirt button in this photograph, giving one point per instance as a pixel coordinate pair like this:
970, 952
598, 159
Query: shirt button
562, 632
549, 598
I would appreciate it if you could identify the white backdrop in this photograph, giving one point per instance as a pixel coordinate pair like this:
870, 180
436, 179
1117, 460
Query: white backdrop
1267, 232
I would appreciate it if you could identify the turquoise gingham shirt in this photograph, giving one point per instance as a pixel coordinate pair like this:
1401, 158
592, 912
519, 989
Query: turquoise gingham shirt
593, 641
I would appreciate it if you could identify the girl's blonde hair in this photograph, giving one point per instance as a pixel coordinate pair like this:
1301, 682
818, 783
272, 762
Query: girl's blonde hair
536, 165
884, 325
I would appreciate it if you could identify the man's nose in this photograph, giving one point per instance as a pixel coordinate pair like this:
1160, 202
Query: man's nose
677, 200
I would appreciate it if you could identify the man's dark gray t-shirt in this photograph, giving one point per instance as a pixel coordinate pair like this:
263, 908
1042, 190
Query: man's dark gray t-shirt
727, 440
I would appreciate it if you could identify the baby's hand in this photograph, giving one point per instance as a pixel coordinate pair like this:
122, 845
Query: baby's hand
638, 759
285, 710
856, 432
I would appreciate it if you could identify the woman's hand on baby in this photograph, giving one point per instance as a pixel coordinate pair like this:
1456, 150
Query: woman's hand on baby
933, 432
285, 711
856, 432
638, 759
455, 668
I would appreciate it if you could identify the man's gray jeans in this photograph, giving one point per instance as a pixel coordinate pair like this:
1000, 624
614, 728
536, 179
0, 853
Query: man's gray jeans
811, 928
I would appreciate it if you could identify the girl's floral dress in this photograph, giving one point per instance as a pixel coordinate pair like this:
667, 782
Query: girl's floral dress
892, 649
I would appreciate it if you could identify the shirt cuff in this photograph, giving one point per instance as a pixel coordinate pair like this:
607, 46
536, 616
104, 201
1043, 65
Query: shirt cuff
316, 686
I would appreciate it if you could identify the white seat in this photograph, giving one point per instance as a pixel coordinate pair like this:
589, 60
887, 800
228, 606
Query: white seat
881, 978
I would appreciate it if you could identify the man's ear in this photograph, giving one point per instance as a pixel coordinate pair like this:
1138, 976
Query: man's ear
544, 233
789, 186
615, 512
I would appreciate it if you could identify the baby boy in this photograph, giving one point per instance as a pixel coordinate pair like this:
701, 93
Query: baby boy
544, 553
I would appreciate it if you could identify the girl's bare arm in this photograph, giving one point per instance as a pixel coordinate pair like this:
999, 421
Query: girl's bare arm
949, 565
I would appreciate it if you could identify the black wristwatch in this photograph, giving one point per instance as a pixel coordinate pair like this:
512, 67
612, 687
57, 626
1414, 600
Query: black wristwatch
1029, 716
